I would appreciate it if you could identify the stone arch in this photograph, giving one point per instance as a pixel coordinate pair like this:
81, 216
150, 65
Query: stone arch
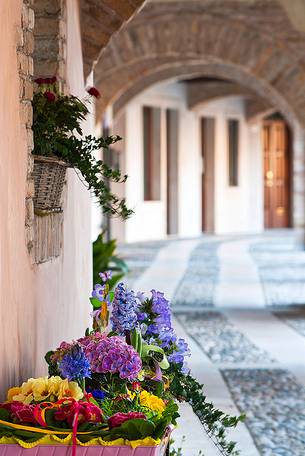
175, 39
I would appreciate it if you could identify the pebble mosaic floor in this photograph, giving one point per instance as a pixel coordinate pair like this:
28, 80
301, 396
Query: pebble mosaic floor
274, 405
281, 266
139, 256
220, 340
196, 288
269, 395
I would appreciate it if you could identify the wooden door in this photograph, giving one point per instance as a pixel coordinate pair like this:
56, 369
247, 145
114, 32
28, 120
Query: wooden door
172, 130
207, 178
276, 174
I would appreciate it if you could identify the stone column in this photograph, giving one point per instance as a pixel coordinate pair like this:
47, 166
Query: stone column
298, 178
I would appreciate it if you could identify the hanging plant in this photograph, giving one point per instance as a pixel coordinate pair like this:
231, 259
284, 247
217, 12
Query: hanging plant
59, 142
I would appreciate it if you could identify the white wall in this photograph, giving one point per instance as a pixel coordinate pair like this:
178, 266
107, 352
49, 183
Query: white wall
237, 209
149, 219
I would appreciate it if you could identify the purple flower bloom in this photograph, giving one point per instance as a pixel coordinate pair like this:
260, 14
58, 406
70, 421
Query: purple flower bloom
105, 276
74, 365
124, 307
181, 350
113, 355
99, 292
160, 306
141, 296
167, 337
142, 316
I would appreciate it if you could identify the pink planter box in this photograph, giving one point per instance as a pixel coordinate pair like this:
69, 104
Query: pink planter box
64, 450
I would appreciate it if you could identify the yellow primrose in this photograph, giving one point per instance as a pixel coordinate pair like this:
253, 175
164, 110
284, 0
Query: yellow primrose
151, 401
69, 389
41, 389
44, 388
13, 392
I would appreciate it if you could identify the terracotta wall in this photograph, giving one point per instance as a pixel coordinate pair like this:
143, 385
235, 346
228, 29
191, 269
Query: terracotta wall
39, 305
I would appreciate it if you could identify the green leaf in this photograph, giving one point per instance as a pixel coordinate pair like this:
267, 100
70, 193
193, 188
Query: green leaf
133, 429
96, 304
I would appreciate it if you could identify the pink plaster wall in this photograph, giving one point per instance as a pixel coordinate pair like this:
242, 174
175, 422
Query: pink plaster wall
39, 305
64, 285
17, 308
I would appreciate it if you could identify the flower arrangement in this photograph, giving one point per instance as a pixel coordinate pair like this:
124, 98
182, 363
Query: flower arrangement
120, 384
57, 130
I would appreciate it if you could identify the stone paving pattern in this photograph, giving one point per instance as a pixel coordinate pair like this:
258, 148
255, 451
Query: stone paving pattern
274, 404
139, 256
197, 287
220, 340
281, 265
263, 388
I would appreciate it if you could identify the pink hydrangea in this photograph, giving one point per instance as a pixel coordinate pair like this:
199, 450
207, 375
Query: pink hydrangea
113, 355
119, 418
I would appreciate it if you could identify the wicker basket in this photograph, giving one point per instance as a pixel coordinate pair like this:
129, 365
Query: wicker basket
49, 177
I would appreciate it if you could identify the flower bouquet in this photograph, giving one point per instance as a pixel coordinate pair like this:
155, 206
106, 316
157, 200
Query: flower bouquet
113, 391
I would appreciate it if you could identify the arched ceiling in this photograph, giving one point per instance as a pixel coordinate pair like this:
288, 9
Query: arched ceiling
252, 43
100, 19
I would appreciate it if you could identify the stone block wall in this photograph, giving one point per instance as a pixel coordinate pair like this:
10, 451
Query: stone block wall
25, 48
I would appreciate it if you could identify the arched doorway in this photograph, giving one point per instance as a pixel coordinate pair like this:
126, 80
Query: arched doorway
186, 40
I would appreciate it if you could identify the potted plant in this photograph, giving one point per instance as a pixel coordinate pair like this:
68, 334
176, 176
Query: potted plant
59, 142
115, 390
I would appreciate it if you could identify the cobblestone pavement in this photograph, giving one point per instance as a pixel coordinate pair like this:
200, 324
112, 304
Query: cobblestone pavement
220, 340
281, 266
274, 404
238, 368
139, 256
197, 287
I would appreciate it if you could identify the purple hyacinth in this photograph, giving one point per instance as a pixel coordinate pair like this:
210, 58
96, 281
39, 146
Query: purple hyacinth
105, 276
160, 306
99, 292
167, 337
112, 355
124, 308
181, 350
74, 365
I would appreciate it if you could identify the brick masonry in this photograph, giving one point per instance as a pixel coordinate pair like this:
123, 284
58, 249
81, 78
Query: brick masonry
99, 20
25, 47
49, 60
253, 44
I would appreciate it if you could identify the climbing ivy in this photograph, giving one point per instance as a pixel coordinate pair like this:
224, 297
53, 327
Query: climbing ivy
216, 422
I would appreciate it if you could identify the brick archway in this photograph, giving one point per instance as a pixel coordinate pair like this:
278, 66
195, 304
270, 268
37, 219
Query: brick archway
225, 39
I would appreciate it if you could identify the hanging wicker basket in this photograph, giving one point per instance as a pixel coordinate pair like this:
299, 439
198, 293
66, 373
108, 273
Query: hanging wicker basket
49, 177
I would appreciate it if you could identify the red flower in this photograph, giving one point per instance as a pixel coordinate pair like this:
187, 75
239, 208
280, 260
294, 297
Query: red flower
119, 418
87, 413
21, 412
94, 92
136, 386
50, 96
41, 81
